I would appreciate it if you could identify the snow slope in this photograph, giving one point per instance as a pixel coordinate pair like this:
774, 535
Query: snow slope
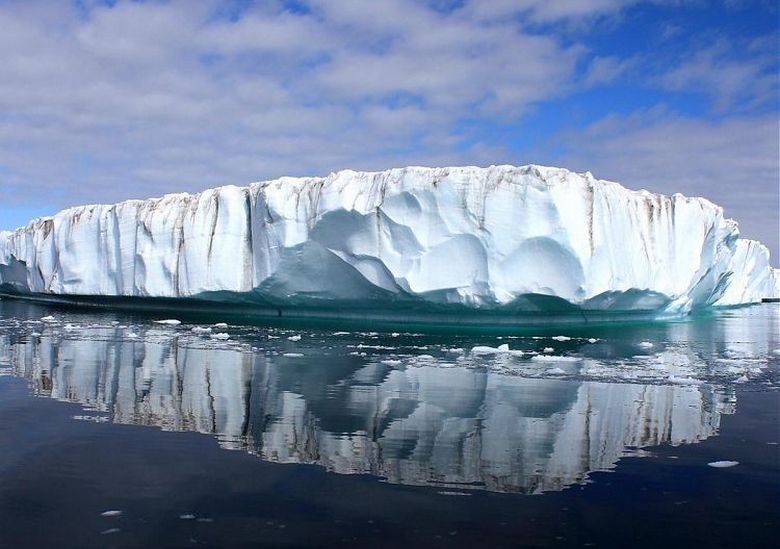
498, 238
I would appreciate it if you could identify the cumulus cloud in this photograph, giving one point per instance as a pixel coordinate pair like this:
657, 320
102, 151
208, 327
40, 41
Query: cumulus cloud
141, 98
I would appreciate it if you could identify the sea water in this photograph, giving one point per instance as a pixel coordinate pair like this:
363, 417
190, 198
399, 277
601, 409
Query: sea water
129, 429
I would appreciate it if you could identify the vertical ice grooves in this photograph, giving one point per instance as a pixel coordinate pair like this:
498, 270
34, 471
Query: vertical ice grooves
477, 237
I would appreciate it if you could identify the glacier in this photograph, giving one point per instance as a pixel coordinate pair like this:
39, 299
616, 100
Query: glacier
501, 243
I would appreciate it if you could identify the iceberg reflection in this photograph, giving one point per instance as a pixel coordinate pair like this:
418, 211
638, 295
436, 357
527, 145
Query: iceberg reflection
453, 426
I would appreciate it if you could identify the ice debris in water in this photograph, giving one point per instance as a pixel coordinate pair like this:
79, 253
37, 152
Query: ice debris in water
221, 336
168, 322
48, 319
111, 513
222, 325
722, 464
200, 330
293, 355
555, 371
646, 345
548, 350
592, 340
561, 338
294, 338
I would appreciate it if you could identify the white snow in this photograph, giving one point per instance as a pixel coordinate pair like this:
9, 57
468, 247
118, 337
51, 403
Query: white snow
388, 235
221, 335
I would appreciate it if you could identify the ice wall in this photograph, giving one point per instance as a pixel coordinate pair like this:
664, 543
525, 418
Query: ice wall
476, 238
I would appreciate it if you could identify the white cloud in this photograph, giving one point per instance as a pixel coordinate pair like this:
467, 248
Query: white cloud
733, 162
143, 98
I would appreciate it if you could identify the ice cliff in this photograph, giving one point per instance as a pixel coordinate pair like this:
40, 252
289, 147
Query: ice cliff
467, 239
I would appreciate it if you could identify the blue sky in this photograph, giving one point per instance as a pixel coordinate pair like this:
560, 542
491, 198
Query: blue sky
104, 101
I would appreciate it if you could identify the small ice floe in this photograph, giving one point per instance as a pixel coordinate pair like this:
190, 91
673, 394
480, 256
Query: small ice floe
592, 340
741, 379
484, 350
390, 362
561, 338
340, 333
554, 358
114, 322
548, 350
110, 531
425, 357
222, 336
200, 330
556, 371
111, 513
168, 322
49, 318
187, 516
722, 464
132, 335
684, 380
293, 355
394, 334
776, 352
70, 327
35, 334
221, 325
294, 338
645, 345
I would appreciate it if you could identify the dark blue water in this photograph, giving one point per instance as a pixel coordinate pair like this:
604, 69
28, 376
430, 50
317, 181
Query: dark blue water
118, 431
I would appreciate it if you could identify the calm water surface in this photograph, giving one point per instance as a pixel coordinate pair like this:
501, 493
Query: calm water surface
116, 431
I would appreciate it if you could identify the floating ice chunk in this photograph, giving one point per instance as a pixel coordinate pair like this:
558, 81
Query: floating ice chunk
221, 336
294, 338
111, 513
70, 327
555, 371
557, 358
592, 340
35, 334
296, 355
776, 352
340, 333
221, 325
484, 350
200, 330
49, 318
741, 379
132, 335
187, 516
684, 380
646, 345
722, 464
110, 531
548, 350
390, 362
425, 357
561, 338
168, 322
503, 348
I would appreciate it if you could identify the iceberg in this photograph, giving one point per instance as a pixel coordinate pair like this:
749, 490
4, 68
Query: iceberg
498, 244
